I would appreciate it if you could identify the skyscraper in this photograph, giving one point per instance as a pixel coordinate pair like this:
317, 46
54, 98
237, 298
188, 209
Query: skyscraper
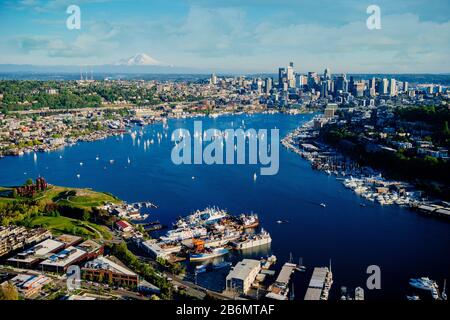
268, 85
341, 83
290, 75
372, 87
281, 77
384, 86
213, 79
327, 74
392, 88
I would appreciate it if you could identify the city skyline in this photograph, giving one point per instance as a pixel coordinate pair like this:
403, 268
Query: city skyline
231, 36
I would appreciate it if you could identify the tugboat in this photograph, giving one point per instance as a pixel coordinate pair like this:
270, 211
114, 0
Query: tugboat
202, 253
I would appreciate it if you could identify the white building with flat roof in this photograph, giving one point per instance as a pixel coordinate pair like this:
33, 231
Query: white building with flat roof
242, 276
39, 252
59, 262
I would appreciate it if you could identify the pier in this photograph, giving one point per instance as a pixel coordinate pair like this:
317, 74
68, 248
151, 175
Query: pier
279, 290
320, 284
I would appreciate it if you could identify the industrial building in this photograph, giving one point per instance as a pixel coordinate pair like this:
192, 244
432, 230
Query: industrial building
31, 257
69, 240
93, 249
29, 285
103, 269
59, 262
242, 276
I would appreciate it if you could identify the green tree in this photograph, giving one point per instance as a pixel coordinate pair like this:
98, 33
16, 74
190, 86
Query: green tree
8, 292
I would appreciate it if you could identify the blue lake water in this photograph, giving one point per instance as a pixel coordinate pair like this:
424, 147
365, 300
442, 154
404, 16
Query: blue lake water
403, 243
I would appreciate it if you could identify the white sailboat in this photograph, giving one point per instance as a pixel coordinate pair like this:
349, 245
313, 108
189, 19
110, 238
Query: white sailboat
255, 176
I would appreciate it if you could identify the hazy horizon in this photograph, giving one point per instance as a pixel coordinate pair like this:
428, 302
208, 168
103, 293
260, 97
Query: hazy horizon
232, 36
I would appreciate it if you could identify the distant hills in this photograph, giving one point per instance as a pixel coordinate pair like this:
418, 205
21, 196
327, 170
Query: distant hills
140, 63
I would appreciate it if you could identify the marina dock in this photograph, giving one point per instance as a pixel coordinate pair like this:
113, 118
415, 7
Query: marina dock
320, 284
279, 290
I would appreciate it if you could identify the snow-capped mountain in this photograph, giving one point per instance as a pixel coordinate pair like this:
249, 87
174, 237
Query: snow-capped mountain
141, 59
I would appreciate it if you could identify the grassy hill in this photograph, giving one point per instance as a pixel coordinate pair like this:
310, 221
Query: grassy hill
60, 209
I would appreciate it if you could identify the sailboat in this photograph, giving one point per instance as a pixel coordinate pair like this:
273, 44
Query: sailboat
35, 157
128, 160
97, 158
300, 267
254, 176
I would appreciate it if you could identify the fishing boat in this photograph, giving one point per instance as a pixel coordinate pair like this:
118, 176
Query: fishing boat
208, 216
249, 221
208, 254
181, 234
252, 241
413, 298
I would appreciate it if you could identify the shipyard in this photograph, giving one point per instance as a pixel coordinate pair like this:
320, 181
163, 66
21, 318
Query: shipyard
207, 234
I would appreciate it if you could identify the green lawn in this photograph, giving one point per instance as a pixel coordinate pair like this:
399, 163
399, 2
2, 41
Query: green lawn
82, 198
59, 225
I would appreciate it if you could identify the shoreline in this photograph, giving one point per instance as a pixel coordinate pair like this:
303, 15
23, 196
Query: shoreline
125, 129
366, 182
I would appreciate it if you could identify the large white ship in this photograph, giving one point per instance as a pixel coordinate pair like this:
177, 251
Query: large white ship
181, 234
208, 216
252, 241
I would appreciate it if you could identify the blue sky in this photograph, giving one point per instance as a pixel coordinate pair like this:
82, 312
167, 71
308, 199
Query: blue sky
244, 36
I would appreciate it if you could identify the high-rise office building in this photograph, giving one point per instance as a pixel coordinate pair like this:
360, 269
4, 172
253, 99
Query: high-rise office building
313, 79
327, 74
324, 89
341, 83
281, 77
300, 81
405, 86
372, 87
384, 86
213, 79
268, 85
392, 88
290, 77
